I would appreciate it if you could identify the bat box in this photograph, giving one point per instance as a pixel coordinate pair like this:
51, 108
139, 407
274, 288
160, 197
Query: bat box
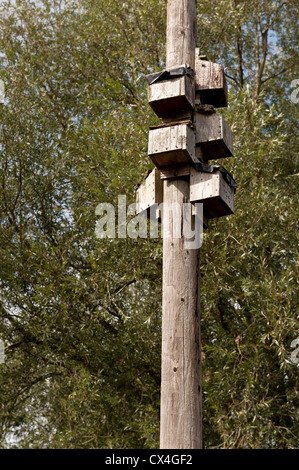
171, 91
167, 97
214, 190
210, 83
171, 144
213, 135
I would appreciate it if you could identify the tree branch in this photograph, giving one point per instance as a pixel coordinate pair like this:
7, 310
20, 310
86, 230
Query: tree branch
260, 62
278, 73
240, 61
119, 289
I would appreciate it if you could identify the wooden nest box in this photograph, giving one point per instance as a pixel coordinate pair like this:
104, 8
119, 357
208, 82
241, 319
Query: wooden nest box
213, 187
170, 92
210, 82
213, 135
171, 144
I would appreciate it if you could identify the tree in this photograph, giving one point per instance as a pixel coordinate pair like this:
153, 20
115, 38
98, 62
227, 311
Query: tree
250, 274
80, 316
70, 304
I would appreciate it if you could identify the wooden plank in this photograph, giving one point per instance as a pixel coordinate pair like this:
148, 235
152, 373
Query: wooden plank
149, 192
213, 191
213, 135
176, 171
172, 145
171, 123
172, 96
210, 83
174, 118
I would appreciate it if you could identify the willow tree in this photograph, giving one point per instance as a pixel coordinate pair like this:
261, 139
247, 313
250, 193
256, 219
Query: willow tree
80, 316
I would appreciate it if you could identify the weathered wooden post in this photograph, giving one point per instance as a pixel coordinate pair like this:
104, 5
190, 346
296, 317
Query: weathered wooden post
184, 95
180, 409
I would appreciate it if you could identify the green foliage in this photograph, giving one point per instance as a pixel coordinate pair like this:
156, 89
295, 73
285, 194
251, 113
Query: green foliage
80, 317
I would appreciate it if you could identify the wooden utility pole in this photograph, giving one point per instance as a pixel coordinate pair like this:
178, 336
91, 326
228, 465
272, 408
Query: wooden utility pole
180, 412
184, 96
181, 33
